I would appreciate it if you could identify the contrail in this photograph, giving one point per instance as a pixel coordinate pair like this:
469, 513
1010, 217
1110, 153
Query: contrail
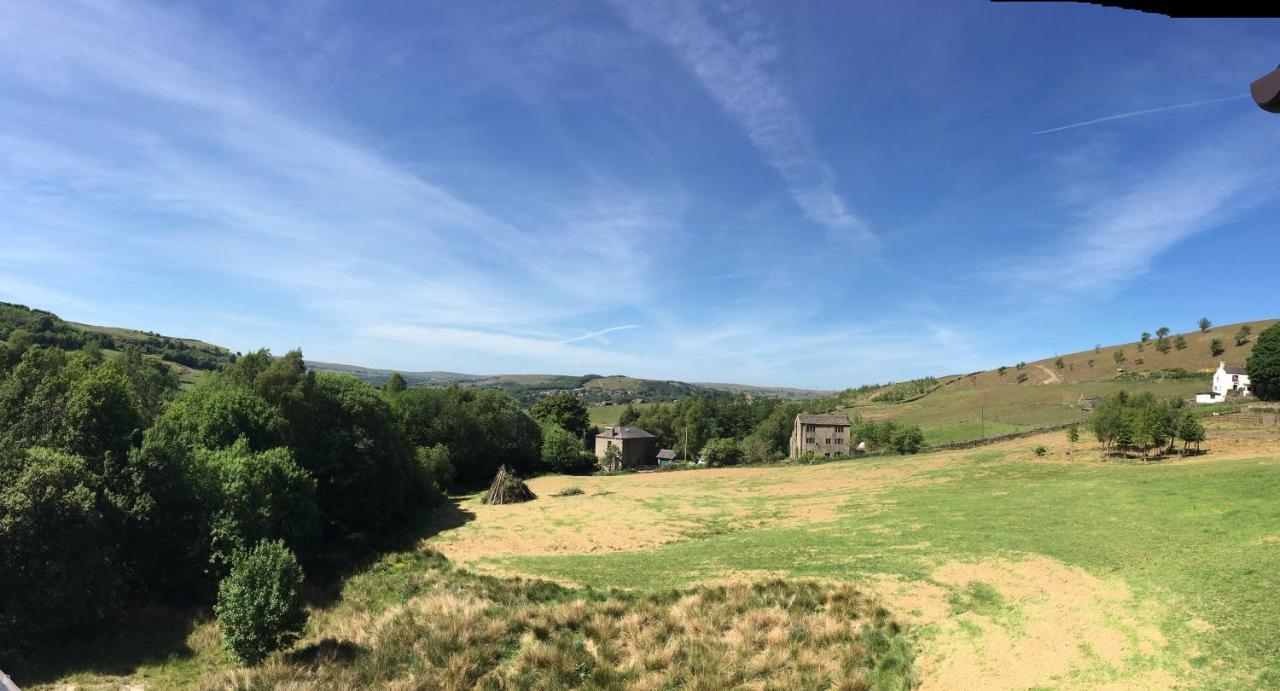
1143, 112
597, 334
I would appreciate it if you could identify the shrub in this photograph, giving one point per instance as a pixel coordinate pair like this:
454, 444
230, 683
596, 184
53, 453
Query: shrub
907, 439
569, 492
1040, 450
1242, 336
722, 452
259, 608
1022, 378
756, 449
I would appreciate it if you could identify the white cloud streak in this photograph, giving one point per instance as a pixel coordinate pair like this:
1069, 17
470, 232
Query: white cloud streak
1136, 113
596, 335
734, 74
246, 186
1128, 222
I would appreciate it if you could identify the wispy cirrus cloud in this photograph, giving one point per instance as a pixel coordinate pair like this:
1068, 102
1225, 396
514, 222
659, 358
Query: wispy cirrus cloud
735, 75
1123, 224
222, 172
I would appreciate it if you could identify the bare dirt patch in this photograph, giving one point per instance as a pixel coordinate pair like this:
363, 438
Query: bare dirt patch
1054, 625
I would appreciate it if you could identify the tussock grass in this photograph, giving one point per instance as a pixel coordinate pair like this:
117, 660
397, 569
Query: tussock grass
415, 621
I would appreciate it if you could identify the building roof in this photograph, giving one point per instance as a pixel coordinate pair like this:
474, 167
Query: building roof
825, 419
624, 432
1235, 369
667, 454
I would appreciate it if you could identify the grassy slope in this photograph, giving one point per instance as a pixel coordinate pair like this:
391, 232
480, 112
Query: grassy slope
602, 415
135, 335
954, 412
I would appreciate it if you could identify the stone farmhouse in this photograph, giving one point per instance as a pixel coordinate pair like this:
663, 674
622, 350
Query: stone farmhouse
824, 435
638, 447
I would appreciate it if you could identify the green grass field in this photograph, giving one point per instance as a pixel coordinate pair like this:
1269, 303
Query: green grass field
962, 411
602, 415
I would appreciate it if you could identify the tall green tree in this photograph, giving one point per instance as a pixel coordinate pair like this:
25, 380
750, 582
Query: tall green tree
1263, 364
1190, 430
259, 496
564, 410
562, 451
395, 383
482, 428
1204, 325
61, 573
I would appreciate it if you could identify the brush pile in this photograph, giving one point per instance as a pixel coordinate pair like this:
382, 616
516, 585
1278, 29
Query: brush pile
507, 489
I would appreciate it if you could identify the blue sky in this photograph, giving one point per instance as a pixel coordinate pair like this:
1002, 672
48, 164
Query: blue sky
807, 194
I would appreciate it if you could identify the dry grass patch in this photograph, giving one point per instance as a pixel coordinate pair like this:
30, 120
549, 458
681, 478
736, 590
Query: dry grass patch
414, 621
1002, 624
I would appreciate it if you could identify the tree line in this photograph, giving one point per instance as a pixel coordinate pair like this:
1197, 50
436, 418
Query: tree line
738, 429
117, 489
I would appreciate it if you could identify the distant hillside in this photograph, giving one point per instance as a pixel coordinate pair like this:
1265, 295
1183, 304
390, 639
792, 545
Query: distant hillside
592, 388
784, 392
1100, 363
22, 325
960, 407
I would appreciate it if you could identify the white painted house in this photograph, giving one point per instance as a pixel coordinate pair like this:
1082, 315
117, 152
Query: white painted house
1225, 380
1229, 378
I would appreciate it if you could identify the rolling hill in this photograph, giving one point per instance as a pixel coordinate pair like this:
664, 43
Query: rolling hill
987, 403
188, 357
593, 388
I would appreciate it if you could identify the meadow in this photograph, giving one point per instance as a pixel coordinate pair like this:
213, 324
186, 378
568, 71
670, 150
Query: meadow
1007, 569
963, 410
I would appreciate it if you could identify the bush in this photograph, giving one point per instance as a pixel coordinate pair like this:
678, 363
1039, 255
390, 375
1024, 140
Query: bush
907, 439
259, 608
1040, 451
757, 449
569, 492
722, 452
